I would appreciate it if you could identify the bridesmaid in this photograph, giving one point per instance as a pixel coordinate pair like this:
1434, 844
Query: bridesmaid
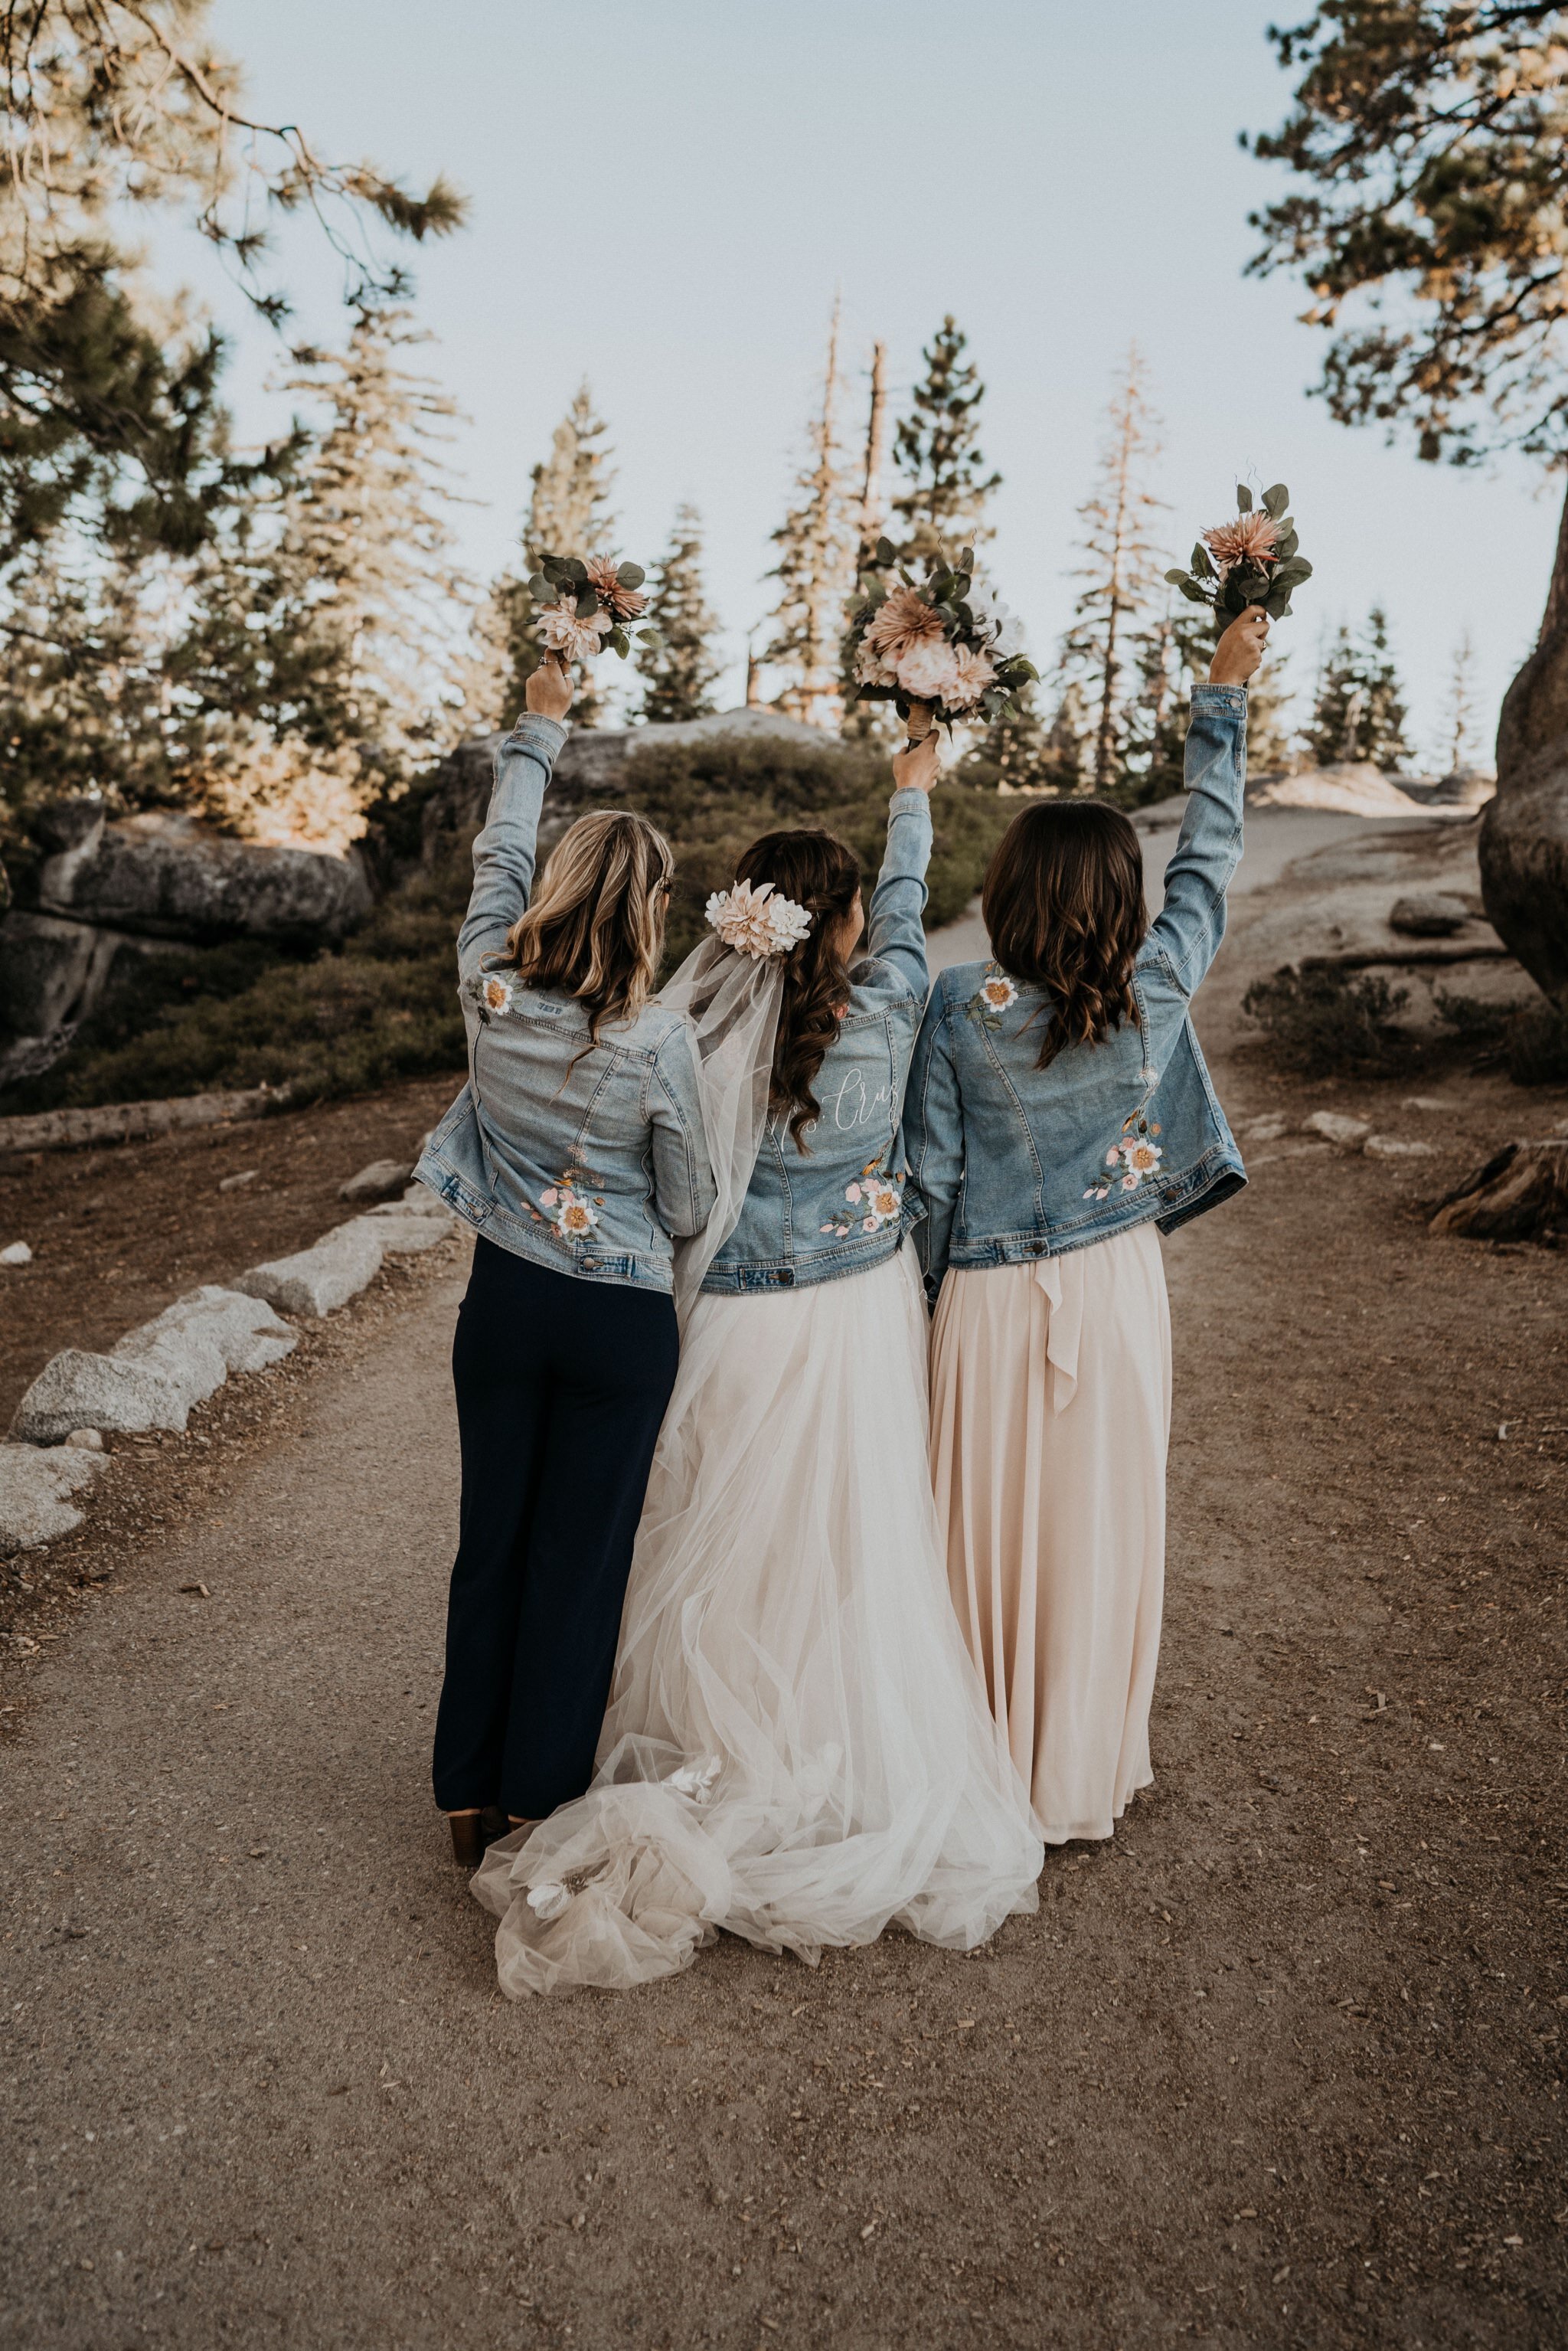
577, 1153
1058, 1114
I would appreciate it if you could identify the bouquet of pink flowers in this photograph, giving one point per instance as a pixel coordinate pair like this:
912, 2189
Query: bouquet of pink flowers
1253, 560
585, 606
938, 648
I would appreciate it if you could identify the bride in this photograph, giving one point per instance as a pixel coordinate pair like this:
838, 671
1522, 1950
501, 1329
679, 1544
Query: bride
797, 1748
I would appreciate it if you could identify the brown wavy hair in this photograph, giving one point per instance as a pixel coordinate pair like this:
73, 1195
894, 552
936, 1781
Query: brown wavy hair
1063, 907
821, 874
596, 927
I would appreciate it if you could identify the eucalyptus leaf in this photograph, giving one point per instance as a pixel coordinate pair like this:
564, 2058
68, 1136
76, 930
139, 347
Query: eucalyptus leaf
649, 636
619, 642
542, 589
1192, 591
574, 567
885, 551
1243, 498
1202, 565
631, 574
1174, 579
967, 559
1275, 501
1287, 546
587, 603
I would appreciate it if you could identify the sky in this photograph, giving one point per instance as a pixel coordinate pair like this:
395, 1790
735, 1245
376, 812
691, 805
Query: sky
666, 195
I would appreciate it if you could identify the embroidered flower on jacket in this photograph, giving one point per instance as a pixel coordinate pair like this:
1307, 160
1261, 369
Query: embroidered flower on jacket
874, 1199
573, 1212
753, 921
496, 993
996, 995
1131, 1160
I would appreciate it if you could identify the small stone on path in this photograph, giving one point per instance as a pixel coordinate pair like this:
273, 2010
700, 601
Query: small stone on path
1346, 1134
1393, 1146
16, 1253
34, 1489
236, 1183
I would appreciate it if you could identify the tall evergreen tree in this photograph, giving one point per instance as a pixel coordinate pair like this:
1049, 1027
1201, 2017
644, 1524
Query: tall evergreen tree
352, 611
816, 542
1011, 752
115, 465
1358, 712
1120, 568
681, 668
1461, 735
569, 513
936, 451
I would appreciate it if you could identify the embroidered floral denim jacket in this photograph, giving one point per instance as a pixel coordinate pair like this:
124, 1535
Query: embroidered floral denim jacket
836, 1208
1009, 1162
586, 1159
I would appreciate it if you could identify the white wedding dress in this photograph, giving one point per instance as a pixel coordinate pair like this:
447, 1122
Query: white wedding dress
797, 1748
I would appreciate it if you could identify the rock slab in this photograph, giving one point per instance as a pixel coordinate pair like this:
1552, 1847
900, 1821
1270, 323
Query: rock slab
379, 1181
315, 1280
35, 1489
151, 1377
1345, 1133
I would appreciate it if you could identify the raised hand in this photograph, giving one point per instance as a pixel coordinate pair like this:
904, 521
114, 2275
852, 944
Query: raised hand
548, 689
919, 764
1240, 649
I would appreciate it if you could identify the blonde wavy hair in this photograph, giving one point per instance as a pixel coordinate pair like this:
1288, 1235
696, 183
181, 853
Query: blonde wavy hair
596, 927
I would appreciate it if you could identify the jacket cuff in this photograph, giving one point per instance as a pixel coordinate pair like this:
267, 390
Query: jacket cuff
1220, 697
540, 734
908, 799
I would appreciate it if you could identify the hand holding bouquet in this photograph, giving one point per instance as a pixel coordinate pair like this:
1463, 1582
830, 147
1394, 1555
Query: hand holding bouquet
1253, 560
584, 606
939, 649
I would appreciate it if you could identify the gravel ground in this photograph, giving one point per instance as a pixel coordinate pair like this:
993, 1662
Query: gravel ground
1279, 2066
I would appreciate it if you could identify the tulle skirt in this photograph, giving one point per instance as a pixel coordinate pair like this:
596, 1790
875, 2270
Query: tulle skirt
1051, 1404
798, 1747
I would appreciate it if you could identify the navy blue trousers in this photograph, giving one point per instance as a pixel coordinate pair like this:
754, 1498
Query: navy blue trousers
561, 1385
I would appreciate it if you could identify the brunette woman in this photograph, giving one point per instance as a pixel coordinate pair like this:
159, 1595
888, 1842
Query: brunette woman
1059, 1117
797, 1747
576, 1150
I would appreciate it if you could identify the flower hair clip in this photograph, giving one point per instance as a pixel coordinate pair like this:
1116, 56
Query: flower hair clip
754, 923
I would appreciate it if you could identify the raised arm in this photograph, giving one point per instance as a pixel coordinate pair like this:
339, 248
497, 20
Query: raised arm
894, 930
934, 1138
504, 851
1191, 924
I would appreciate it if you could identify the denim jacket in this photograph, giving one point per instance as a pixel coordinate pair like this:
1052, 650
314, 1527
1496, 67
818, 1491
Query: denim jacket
836, 1208
1009, 1162
586, 1159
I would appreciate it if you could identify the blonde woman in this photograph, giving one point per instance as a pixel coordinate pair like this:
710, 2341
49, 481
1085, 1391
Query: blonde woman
576, 1152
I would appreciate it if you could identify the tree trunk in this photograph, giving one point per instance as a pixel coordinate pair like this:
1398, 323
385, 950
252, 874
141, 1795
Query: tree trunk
1521, 1194
1524, 832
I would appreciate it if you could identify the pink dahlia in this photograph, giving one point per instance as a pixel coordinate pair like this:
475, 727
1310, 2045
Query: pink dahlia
905, 619
1250, 538
625, 603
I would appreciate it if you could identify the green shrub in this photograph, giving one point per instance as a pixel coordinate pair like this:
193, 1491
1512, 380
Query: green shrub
1531, 1040
1324, 1023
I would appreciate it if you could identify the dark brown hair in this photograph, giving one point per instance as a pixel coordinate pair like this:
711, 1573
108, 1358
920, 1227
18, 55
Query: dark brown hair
596, 927
1063, 907
821, 874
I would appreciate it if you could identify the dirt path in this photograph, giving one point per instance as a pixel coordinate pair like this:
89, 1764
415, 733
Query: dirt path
1280, 2067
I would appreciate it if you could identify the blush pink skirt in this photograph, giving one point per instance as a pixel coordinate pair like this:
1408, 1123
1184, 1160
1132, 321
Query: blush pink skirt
1051, 1396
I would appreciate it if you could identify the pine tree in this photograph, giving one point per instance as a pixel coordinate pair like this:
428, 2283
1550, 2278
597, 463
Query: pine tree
1358, 712
681, 668
1461, 743
334, 654
1064, 759
1011, 752
936, 451
569, 513
1122, 569
816, 543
